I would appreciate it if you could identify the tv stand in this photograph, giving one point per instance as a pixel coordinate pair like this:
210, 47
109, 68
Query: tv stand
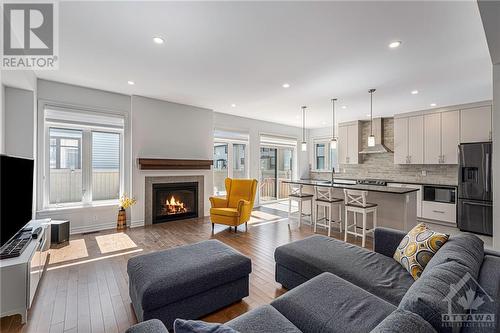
21, 275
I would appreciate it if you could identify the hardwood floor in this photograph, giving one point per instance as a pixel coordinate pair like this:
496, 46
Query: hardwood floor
85, 288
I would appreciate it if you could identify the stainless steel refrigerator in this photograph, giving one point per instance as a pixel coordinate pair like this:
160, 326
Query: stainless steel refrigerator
475, 192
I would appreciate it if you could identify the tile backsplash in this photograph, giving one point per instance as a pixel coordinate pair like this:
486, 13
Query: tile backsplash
381, 166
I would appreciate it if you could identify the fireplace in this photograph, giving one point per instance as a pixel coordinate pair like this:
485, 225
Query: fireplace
174, 201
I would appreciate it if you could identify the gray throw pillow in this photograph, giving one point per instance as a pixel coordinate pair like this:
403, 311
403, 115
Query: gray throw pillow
198, 326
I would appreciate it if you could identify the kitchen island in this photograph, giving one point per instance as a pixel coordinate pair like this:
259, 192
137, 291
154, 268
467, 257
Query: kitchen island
397, 206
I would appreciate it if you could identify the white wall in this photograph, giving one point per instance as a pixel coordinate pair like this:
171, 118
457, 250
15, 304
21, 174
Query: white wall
257, 127
67, 95
162, 129
496, 156
19, 120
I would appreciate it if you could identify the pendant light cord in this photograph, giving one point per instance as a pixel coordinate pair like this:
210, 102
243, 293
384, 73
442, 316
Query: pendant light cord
304, 124
333, 118
371, 91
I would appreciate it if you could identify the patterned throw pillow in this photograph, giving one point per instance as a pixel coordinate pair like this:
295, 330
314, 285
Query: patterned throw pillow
417, 248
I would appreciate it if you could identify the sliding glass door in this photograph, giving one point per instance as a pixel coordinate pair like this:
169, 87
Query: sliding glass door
276, 165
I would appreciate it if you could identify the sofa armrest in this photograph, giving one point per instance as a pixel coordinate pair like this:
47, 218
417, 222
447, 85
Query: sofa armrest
218, 202
149, 326
386, 240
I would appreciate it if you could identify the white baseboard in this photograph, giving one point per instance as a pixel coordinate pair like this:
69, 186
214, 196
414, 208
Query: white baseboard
135, 224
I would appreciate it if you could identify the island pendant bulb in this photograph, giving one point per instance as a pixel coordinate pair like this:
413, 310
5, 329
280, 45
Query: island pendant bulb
371, 141
304, 146
333, 143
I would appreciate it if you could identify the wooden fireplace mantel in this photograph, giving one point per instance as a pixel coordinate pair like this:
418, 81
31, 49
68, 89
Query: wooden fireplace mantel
173, 164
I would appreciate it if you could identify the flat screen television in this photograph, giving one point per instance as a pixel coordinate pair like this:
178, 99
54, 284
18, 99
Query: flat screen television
16, 195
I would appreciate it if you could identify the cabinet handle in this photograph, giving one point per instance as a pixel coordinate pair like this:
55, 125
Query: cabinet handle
438, 211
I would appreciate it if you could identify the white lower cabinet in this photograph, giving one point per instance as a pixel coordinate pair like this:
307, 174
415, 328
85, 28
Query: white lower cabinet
445, 212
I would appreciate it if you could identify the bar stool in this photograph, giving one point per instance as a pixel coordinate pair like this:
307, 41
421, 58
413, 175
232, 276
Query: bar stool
297, 194
355, 202
324, 198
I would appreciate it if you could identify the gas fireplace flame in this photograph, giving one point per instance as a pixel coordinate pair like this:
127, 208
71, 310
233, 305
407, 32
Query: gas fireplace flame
174, 206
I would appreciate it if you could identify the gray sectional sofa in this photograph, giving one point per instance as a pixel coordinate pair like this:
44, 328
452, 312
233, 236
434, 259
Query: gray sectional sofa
338, 287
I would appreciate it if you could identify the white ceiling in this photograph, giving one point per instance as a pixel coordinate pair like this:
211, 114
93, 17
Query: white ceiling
217, 54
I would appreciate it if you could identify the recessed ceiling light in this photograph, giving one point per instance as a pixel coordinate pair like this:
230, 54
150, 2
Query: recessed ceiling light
233, 105
297, 117
286, 85
158, 40
131, 83
344, 107
395, 44
433, 104
368, 115
414, 92
323, 123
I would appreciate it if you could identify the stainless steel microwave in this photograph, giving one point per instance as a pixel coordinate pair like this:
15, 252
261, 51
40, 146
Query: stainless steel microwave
444, 194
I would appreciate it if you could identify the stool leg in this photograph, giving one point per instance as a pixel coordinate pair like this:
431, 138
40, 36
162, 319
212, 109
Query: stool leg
316, 217
289, 209
340, 217
346, 226
355, 225
313, 213
300, 212
363, 236
330, 221
374, 219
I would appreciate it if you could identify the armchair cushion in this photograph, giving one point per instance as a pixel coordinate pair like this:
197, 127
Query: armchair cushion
233, 212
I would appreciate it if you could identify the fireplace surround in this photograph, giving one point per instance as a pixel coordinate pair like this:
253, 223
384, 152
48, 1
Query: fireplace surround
185, 196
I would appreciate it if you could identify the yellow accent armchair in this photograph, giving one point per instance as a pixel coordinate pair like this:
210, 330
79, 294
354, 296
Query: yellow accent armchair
236, 208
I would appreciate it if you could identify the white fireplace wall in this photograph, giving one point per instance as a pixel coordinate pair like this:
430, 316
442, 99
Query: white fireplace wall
162, 129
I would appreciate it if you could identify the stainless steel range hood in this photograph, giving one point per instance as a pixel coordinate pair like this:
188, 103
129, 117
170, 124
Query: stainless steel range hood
378, 131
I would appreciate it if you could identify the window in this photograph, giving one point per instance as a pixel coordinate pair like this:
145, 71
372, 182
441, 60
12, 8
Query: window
320, 156
229, 161
324, 156
84, 161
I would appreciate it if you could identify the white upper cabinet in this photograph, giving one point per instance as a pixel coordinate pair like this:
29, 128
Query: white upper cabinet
400, 140
349, 143
415, 140
432, 138
475, 124
450, 137
408, 140
441, 137
342, 144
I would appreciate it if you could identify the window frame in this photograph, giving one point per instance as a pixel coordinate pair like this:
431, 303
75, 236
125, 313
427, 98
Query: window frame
85, 163
230, 155
327, 155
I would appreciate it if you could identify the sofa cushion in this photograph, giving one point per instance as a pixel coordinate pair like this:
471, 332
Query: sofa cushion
163, 277
454, 267
417, 248
264, 319
403, 321
149, 326
198, 326
328, 303
374, 272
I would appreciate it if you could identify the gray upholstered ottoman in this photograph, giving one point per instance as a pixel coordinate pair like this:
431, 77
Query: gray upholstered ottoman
187, 282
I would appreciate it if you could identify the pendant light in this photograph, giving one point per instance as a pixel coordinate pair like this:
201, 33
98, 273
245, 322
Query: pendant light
304, 143
371, 138
333, 141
